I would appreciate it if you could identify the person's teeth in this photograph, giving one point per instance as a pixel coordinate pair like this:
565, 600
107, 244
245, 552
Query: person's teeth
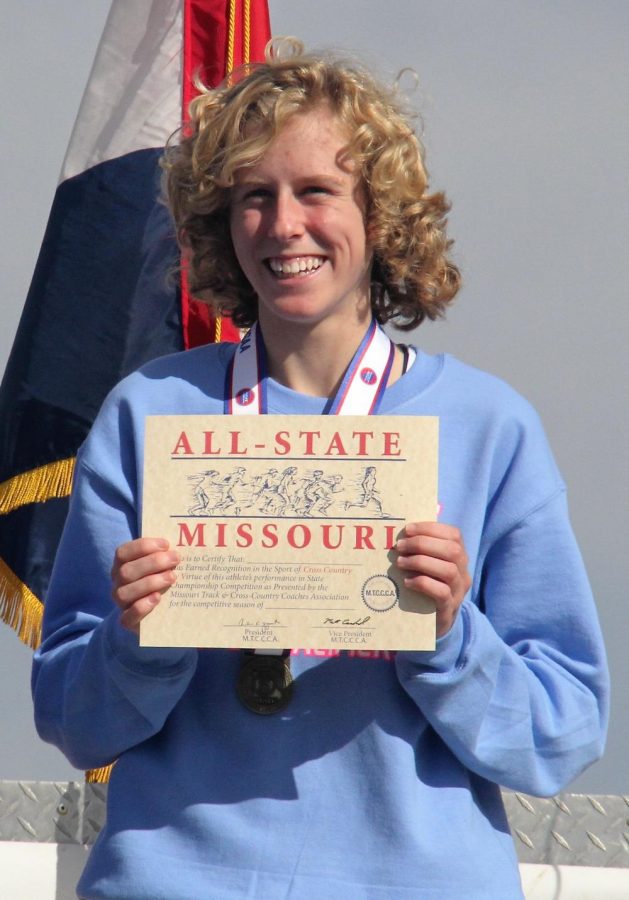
295, 266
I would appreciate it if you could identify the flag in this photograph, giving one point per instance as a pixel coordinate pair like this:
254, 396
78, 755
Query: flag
103, 298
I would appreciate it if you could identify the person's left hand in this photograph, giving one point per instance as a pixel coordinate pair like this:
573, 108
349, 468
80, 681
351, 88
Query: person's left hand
433, 558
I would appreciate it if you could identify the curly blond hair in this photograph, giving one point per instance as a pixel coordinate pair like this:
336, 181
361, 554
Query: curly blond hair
232, 126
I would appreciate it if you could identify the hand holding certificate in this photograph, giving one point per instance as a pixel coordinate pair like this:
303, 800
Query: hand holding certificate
286, 531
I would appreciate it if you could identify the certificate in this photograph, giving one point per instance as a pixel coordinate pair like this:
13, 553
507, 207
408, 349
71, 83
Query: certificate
286, 528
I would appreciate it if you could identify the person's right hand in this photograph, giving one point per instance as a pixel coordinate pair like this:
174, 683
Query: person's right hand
143, 569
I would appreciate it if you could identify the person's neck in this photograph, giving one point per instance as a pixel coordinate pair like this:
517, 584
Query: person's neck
312, 360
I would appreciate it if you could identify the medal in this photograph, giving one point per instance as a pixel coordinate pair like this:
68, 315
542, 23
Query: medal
265, 684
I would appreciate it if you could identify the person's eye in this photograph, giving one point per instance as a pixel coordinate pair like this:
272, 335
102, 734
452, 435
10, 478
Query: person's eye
316, 189
255, 195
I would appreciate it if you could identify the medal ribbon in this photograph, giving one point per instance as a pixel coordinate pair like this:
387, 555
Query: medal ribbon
359, 393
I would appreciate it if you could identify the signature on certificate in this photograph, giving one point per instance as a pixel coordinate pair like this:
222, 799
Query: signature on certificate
259, 623
362, 620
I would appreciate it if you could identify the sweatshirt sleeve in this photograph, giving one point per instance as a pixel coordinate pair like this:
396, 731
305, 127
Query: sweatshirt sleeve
96, 692
518, 689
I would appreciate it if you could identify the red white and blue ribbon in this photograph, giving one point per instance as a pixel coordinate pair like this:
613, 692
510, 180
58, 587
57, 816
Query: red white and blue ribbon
359, 393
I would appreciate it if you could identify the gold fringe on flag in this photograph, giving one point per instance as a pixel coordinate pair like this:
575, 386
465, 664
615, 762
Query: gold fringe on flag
23, 612
37, 485
99, 776
19, 607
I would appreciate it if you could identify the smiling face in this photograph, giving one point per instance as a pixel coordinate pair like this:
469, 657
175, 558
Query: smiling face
298, 228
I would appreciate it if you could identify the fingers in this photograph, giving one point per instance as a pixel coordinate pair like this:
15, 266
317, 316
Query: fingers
142, 570
431, 576
137, 549
131, 617
432, 555
433, 548
437, 530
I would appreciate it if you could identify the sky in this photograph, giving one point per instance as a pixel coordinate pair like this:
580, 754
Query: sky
523, 113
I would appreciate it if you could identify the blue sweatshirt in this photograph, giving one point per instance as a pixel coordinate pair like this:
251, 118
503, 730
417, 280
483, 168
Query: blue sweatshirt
380, 779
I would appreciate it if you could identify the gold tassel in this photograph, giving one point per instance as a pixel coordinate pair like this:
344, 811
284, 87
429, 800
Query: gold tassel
231, 38
19, 607
247, 32
37, 485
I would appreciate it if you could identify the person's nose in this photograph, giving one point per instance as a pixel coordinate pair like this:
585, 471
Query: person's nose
287, 217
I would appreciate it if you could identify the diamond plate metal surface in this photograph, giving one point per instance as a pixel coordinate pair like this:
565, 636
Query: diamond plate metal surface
51, 812
569, 829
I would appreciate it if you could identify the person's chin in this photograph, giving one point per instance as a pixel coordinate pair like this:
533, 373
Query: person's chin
296, 311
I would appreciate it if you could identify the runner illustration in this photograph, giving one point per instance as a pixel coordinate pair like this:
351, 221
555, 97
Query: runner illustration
280, 496
264, 489
368, 493
228, 499
316, 493
199, 493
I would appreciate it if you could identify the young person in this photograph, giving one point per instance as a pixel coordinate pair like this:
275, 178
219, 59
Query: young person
301, 200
